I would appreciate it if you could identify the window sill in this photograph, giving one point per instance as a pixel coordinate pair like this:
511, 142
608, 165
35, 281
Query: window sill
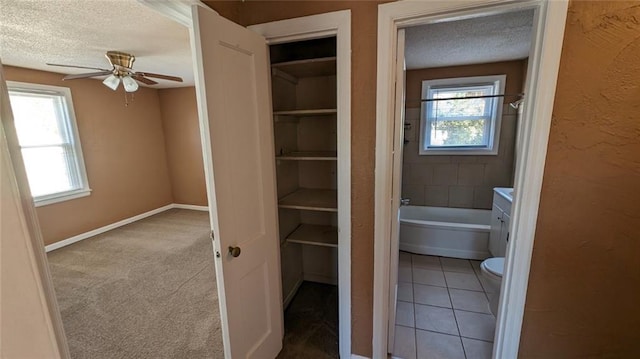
458, 152
61, 197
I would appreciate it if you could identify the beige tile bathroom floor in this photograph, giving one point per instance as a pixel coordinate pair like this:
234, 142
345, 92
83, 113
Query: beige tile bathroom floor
442, 309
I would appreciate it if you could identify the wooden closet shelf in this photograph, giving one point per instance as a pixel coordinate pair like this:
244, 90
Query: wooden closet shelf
313, 112
317, 235
325, 66
310, 156
325, 200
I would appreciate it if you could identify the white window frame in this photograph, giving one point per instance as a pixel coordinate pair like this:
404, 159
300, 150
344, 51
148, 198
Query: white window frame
498, 84
69, 119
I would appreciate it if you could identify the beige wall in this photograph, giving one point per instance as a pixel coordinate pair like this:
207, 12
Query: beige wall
182, 141
459, 181
584, 285
584, 278
124, 153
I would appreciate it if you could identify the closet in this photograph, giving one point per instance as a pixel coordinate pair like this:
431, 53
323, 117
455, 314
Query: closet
304, 93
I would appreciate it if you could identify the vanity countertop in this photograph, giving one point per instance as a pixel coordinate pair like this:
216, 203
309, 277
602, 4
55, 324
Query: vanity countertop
505, 192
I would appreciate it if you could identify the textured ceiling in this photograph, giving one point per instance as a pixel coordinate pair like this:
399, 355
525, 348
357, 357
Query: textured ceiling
80, 32
493, 38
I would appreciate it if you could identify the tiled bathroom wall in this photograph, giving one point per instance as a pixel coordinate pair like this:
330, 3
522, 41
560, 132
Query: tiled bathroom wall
458, 181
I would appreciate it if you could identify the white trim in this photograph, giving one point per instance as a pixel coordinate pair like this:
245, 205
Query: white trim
292, 293
316, 26
108, 227
72, 127
543, 68
176, 10
543, 74
356, 356
61, 197
192, 207
398, 153
497, 83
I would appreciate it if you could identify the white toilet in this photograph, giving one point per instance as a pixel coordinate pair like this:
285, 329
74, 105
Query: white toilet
492, 270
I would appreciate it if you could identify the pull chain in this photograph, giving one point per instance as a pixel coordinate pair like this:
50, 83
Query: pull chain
126, 100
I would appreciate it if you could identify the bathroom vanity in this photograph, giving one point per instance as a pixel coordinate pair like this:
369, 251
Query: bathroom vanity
500, 220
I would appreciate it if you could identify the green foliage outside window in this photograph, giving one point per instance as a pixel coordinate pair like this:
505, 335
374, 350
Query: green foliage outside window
458, 132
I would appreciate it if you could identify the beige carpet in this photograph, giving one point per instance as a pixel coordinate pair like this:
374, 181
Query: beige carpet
145, 290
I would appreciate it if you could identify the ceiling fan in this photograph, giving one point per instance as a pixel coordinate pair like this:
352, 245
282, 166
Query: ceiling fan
121, 71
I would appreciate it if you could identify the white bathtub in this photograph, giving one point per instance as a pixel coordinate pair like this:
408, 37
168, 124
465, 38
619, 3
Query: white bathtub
447, 232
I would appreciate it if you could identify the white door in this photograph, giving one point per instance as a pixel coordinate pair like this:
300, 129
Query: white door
398, 145
234, 103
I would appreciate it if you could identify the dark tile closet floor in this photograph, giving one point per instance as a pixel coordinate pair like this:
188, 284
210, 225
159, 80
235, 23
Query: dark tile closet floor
311, 323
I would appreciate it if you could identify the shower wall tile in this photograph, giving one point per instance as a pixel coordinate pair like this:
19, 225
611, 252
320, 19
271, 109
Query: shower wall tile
420, 174
410, 153
411, 133
436, 196
508, 138
466, 159
482, 197
444, 174
412, 114
415, 193
406, 173
508, 110
461, 196
497, 175
470, 174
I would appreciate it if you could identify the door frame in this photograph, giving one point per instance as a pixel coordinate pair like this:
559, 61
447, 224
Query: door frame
398, 150
542, 73
40, 309
338, 24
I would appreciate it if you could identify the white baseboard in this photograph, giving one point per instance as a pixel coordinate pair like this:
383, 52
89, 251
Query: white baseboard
320, 278
95, 232
356, 356
292, 294
191, 207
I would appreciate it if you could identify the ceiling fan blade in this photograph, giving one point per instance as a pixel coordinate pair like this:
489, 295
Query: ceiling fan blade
90, 74
159, 76
144, 80
79, 67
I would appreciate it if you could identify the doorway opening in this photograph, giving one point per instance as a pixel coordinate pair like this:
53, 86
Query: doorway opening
464, 85
303, 88
461, 139
310, 87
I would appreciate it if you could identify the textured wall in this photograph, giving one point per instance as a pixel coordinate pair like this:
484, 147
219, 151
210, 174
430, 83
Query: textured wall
459, 181
583, 292
124, 154
584, 285
182, 142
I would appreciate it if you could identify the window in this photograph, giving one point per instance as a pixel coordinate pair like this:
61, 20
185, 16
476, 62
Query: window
48, 137
461, 116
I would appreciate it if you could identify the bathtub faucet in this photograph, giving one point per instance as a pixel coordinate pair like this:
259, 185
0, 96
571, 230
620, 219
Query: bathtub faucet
404, 201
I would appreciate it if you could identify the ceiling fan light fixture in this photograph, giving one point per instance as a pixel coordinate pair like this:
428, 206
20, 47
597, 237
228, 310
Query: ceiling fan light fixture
130, 85
112, 82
